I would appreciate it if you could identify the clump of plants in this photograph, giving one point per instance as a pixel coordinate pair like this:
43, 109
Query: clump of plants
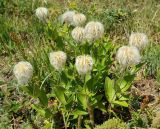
113, 123
152, 60
80, 72
115, 17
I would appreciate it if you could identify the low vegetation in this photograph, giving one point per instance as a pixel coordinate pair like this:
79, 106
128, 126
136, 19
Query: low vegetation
79, 64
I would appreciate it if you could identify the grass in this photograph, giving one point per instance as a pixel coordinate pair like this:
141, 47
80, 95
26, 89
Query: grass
23, 37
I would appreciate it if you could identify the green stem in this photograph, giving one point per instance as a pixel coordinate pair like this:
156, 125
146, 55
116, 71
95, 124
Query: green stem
45, 80
90, 108
91, 115
79, 122
64, 120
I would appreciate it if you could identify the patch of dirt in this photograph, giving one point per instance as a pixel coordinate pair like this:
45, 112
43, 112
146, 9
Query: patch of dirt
149, 90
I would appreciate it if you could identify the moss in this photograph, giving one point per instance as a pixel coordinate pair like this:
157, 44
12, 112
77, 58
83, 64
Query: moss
112, 124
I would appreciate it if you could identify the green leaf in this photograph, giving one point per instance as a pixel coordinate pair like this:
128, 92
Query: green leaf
43, 98
121, 103
58, 39
33, 91
43, 112
39, 110
126, 82
87, 127
123, 98
48, 125
60, 94
64, 77
83, 99
15, 106
87, 78
101, 107
136, 68
48, 113
109, 89
79, 112
70, 100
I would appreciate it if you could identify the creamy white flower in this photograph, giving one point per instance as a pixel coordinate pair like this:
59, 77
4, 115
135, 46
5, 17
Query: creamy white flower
67, 17
42, 13
23, 71
78, 34
58, 59
94, 31
128, 55
79, 19
84, 64
139, 40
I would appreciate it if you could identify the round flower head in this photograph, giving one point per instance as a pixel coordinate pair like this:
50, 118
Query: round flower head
139, 40
42, 13
79, 19
128, 55
94, 30
58, 59
84, 64
67, 17
23, 71
78, 34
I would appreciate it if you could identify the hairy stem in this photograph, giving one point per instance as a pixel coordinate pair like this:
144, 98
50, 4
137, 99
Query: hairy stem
91, 115
79, 122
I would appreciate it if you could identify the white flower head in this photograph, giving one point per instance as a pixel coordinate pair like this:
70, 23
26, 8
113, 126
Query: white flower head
79, 19
67, 17
94, 31
128, 55
23, 71
42, 13
139, 40
78, 34
58, 59
84, 64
